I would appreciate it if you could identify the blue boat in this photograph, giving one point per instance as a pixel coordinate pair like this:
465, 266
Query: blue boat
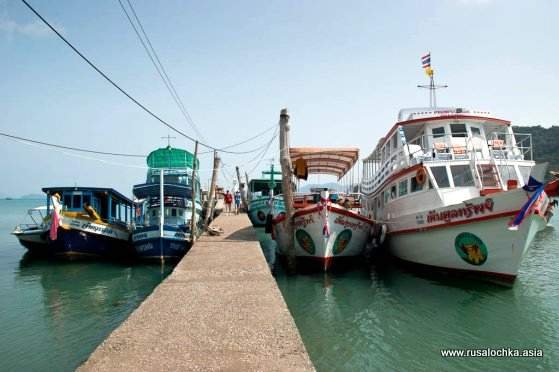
162, 230
93, 222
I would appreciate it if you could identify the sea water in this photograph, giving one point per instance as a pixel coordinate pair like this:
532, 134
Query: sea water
387, 318
53, 313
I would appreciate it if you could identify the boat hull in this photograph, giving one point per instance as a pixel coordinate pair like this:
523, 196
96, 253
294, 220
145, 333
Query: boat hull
150, 245
78, 237
258, 210
476, 242
315, 249
35, 240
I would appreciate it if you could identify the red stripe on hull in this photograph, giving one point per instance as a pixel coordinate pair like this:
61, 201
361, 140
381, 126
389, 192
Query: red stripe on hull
501, 278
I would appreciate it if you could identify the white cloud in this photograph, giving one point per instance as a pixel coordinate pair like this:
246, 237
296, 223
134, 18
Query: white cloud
32, 29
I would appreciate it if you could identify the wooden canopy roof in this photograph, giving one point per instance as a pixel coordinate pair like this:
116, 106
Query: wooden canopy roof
326, 160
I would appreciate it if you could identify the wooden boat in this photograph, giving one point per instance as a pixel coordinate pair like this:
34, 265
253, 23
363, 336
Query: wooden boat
162, 228
325, 232
261, 200
454, 187
92, 222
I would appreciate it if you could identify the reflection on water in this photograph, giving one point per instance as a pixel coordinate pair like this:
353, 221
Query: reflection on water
387, 318
53, 313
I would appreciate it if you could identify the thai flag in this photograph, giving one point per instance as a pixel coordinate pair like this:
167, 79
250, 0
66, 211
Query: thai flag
533, 186
426, 60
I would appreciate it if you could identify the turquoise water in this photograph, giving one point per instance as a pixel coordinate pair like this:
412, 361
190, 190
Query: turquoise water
389, 319
53, 314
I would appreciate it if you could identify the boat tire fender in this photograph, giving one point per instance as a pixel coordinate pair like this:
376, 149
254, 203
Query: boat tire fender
421, 176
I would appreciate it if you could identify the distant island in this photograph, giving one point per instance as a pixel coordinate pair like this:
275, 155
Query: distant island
545, 143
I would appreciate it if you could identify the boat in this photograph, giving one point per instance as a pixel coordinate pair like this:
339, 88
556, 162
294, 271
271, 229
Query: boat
33, 235
458, 191
90, 222
327, 234
164, 204
261, 199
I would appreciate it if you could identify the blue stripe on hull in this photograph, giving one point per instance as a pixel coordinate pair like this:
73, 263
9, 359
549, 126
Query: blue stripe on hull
156, 248
79, 243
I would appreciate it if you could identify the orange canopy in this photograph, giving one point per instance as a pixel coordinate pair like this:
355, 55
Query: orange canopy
326, 160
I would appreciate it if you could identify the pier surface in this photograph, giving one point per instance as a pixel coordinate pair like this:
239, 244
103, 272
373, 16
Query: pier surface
220, 309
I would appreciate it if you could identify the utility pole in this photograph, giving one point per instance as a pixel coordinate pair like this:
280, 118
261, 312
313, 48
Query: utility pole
211, 197
285, 160
193, 218
242, 189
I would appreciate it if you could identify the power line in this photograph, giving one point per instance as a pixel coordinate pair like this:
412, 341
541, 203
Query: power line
159, 65
151, 113
70, 148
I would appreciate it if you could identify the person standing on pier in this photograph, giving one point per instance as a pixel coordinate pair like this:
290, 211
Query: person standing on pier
237, 202
228, 199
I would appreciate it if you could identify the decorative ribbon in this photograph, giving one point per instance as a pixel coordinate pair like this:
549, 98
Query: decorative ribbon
323, 207
537, 188
56, 208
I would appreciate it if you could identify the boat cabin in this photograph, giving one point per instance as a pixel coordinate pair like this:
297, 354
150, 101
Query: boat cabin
109, 204
444, 149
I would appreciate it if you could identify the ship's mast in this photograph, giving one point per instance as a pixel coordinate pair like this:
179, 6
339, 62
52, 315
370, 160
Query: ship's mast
426, 62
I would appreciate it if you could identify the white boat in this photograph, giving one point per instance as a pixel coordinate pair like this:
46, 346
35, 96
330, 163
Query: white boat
33, 235
452, 186
325, 232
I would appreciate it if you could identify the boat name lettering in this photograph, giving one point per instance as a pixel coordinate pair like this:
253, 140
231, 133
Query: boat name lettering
346, 223
307, 220
467, 211
98, 229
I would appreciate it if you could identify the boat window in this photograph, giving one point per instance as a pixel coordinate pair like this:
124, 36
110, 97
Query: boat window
458, 130
394, 141
441, 177
67, 200
462, 175
476, 132
507, 173
386, 196
415, 186
76, 201
87, 199
173, 212
525, 171
154, 212
403, 186
393, 194
438, 132
181, 213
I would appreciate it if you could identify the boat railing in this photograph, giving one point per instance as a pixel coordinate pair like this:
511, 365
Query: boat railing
498, 147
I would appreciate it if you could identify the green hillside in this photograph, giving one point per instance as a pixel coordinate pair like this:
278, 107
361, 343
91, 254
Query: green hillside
545, 143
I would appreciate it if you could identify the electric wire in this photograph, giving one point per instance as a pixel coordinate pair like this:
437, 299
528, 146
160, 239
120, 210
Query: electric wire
114, 84
150, 50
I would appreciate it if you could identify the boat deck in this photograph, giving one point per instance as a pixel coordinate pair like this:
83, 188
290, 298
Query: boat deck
220, 309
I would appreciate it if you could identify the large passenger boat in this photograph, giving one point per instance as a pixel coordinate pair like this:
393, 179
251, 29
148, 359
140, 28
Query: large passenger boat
326, 229
454, 187
163, 228
86, 222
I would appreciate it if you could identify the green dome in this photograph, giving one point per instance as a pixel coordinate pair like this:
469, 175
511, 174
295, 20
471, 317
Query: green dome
169, 157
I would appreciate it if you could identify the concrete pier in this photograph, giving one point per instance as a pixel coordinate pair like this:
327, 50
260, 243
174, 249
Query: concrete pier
220, 309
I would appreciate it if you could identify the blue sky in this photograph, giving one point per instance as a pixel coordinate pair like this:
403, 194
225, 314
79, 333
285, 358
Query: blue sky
343, 69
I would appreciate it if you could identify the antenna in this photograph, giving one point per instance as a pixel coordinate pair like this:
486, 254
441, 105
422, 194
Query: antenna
426, 62
168, 138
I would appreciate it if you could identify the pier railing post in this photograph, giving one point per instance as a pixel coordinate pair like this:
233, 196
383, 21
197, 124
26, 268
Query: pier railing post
212, 196
285, 160
242, 190
193, 217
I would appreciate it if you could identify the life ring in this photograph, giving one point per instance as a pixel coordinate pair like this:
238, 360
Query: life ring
421, 176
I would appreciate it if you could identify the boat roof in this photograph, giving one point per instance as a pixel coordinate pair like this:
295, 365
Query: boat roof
52, 190
169, 157
336, 161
